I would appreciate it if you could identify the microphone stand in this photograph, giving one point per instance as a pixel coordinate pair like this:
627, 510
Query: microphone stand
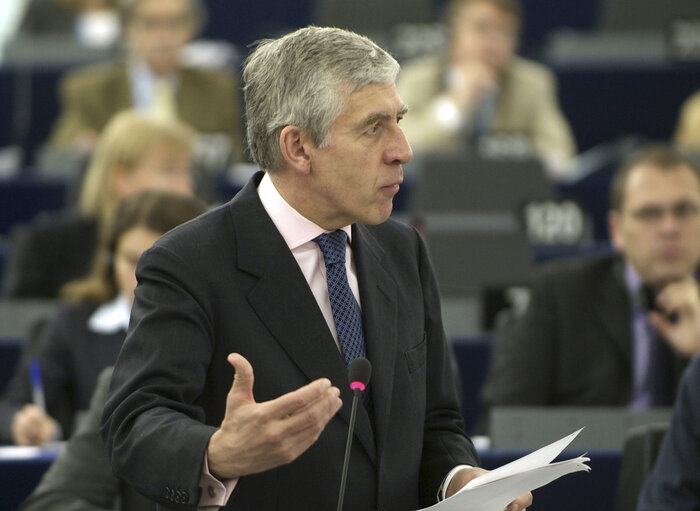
348, 446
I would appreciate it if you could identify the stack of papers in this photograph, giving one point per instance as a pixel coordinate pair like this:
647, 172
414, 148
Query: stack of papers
495, 490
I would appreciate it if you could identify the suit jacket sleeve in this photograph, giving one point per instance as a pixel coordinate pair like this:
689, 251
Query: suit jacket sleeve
81, 478
146, 415
445, 443
551, 135
674, 484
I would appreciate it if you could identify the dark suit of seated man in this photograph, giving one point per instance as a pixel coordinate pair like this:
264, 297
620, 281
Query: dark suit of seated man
81, 478
587, 337
254, 285
674, 484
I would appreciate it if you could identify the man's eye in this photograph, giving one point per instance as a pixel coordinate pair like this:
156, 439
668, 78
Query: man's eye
373, 129
649, 214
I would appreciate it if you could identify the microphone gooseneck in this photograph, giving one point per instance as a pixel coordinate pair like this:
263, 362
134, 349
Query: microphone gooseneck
359, 373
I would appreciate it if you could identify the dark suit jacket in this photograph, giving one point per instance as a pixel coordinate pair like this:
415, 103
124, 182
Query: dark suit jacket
573, 346
47, 253
208, 100
71, 358
81, 479
228, 282
674, 484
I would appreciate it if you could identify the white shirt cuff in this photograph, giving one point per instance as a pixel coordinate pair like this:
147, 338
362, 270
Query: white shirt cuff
446, 483
214, 492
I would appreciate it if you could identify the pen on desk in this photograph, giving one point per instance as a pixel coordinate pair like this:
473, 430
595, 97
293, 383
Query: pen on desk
37, 383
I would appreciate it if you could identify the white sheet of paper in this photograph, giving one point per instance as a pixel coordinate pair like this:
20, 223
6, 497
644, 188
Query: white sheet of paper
495, 490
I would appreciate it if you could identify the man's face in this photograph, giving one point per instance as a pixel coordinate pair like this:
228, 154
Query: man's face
658, 226
483, 32
157, 31
355, 178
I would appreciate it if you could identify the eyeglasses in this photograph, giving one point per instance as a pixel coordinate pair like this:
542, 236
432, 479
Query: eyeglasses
682, 212
167, 22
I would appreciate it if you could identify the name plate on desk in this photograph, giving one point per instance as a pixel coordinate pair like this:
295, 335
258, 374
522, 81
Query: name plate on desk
605, 427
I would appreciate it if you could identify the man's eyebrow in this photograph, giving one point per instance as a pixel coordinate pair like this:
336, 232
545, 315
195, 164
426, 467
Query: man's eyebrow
377, 116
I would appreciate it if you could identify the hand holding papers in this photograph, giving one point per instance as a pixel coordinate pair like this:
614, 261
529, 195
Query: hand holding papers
495, 490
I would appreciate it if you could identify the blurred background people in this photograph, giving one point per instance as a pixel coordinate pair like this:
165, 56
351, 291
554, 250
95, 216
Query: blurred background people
482, 87
674, 484
615, 330
151, 78
86, 334
136, 152
687, 133
92, 22
81, 477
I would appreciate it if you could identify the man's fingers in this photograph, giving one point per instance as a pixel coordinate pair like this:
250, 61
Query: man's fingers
660, 323
316, 415
522, 502
298, 399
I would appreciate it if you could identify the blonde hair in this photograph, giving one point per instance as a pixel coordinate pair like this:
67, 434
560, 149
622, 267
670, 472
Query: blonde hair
126, 140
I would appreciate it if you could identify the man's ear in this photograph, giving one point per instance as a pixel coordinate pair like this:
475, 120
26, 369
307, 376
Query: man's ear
294, 148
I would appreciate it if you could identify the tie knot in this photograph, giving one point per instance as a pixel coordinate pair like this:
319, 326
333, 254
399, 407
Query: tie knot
333, 245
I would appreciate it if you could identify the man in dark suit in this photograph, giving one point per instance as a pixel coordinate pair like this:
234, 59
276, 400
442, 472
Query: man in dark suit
151, 78
253, 286
588, 336
674, 484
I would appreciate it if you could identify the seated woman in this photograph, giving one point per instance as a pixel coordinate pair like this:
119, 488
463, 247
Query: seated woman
135, 153
86, 334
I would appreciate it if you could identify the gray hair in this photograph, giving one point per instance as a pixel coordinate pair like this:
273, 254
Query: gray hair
304, 79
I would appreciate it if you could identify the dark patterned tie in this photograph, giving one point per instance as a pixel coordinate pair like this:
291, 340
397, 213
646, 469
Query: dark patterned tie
346, 311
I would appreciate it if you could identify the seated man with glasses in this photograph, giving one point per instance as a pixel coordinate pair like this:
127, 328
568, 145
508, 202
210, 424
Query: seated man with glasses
151, 78
616, 330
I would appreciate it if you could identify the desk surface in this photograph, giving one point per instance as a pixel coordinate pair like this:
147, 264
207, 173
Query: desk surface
21, 469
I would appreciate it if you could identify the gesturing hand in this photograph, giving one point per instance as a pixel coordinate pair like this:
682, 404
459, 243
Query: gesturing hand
681, 298
254, 437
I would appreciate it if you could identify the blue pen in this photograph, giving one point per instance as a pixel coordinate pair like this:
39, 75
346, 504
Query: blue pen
37, 383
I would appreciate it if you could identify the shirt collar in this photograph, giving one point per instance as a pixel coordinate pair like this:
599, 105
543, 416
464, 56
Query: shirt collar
632, 279
292, 225
111, 317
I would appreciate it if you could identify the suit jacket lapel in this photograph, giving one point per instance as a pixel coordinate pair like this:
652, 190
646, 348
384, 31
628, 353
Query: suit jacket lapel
121, 95
379, 314
285, 304
613, 308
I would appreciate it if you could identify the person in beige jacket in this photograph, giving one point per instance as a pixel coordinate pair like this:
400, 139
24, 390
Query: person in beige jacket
151, 79
482, 87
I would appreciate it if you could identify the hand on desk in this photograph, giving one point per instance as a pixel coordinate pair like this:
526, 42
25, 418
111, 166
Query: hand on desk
255, 437
32, 426
681, 298
465, 475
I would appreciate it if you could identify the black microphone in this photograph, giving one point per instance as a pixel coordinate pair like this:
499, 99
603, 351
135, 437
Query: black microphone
359, 372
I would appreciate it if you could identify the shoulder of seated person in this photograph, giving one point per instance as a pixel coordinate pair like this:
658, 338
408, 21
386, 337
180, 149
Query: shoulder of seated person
90, 74
574, 269
530, 70
220, 76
